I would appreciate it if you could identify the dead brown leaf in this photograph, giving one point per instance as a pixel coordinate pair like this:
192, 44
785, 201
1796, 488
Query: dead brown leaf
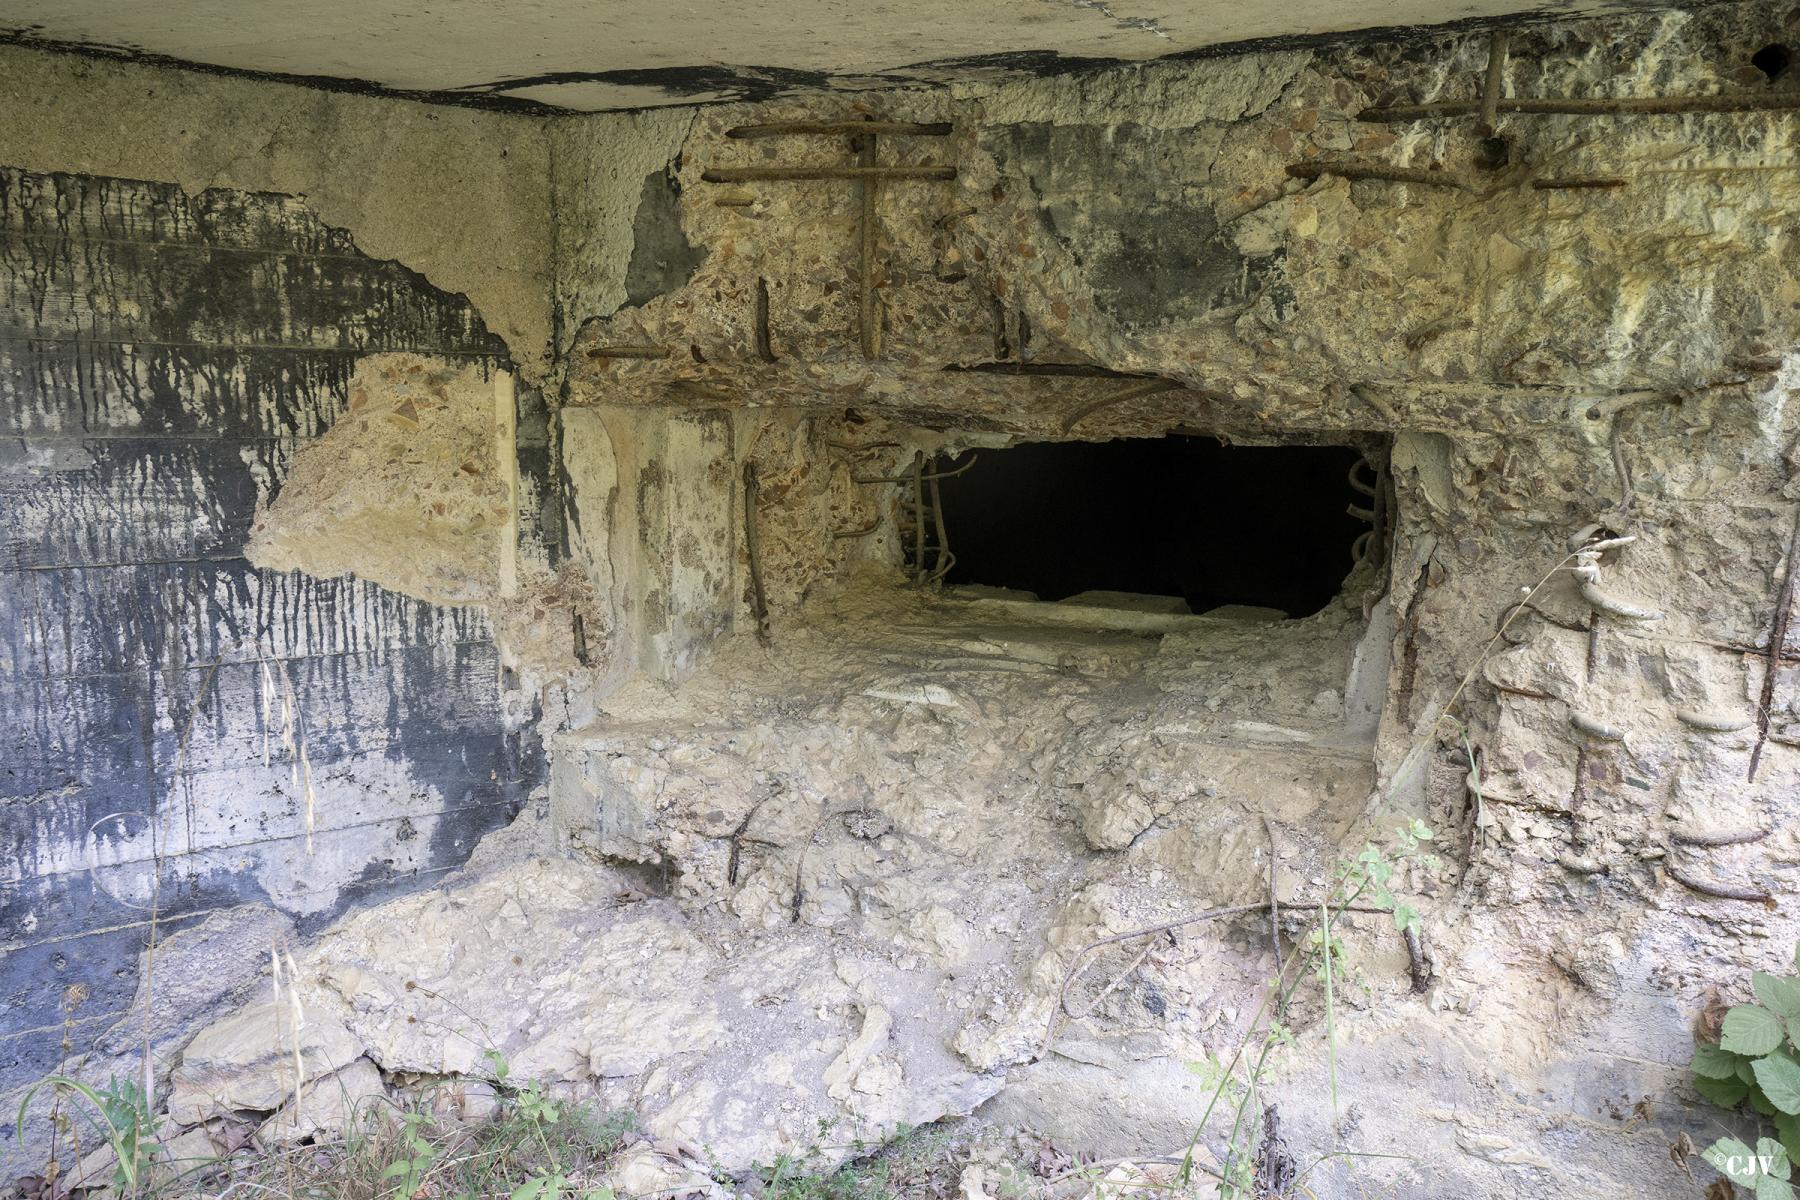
1680, 1150
1710, 1024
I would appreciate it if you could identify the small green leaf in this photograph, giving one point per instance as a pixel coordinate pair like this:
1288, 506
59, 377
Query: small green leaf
1782, 995
1728, 1156
1710, 1062
1770, 1188
1726, 1093
1751, 1030
1778, 1076
529, 1189
1772, 1157
1789, 1128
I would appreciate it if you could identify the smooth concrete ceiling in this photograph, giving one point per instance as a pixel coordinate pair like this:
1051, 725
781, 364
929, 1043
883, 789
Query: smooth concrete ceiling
608, 54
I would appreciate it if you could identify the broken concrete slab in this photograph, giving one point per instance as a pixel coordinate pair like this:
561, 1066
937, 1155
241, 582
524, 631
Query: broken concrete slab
248, 1061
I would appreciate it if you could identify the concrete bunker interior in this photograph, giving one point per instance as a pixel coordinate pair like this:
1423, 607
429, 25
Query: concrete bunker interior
835, 628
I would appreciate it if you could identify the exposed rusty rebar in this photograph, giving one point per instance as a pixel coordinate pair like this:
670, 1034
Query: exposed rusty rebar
1212, 914
759, 601
907, 478
629, 352
918, 476
859, 533
1739, 837
1356, 170
945, 560
1598, 181
868, 232
1069, 370
841, 128
1124, 395
1375, 170
826, 171
1723, 891
1596, 106
1495, 82
765, 348
1778, 633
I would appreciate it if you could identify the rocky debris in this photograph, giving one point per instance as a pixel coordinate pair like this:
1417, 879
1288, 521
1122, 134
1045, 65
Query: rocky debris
1113, 813
329, 1106
457, 1100
648, 1171
405, 489
573, 978
247, 1061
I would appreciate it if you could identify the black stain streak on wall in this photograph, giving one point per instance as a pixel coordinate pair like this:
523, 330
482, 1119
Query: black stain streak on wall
662, 258
161, 359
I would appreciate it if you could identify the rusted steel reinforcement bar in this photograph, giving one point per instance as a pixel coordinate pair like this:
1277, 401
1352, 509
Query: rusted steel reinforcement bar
1074, 370
1354, 170
753, 174
842, 128
1598, 106
628, 352
868, 233
1494, 83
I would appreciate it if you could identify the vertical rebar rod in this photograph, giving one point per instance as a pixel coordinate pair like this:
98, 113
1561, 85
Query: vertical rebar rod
1495, 83
759, 600
941, 566
765, 347
870, 327
918, 482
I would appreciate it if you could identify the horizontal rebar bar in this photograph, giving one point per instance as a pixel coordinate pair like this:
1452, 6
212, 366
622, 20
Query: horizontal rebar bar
830, 128
753, 174
1355, 170
1551, 185
1074, 370
856, 533
628, 352
1599, 106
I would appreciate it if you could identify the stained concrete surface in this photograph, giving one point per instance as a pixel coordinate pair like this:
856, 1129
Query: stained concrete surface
1544, 359
642, 53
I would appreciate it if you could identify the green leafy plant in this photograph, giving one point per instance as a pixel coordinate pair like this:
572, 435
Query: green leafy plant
408, 1171
913, 1162
1358, 884
1757, 1062
121, 1116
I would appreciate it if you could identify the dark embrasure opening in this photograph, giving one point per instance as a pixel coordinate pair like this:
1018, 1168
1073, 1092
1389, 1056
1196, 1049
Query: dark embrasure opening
1173, 516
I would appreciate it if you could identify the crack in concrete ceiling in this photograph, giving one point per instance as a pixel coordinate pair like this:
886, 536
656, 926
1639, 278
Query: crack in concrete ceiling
574, 54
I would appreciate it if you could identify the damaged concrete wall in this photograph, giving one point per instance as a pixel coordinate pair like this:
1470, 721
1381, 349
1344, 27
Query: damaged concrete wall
907, 813
1597, 332
460, 196
165, 360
